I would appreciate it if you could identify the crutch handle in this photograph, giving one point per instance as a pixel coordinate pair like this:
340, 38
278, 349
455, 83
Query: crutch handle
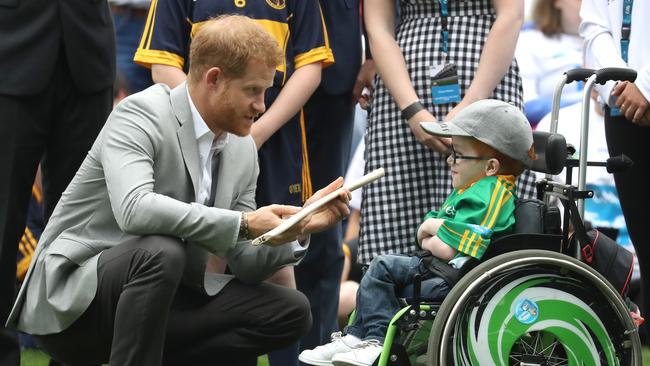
578, 75
614, 73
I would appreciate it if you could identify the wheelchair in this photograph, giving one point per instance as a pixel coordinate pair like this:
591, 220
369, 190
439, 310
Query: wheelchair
529, 300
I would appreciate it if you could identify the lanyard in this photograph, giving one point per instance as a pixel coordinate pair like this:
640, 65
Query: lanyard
626, 28
445, 31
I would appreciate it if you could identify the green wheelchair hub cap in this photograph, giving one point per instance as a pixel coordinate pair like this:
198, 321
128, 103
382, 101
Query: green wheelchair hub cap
534, 319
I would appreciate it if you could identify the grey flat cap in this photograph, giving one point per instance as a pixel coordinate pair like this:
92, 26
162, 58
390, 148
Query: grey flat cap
496, 123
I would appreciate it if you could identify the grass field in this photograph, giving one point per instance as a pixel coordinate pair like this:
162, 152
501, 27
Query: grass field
35, 358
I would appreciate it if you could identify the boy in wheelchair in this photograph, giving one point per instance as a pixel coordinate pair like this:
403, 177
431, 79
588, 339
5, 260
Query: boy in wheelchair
492, 143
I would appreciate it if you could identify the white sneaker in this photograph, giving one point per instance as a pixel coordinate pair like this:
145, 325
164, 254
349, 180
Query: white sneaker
322, 355
363, 354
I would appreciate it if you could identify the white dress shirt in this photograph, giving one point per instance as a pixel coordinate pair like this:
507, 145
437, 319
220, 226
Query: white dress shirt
601, 29
208, 144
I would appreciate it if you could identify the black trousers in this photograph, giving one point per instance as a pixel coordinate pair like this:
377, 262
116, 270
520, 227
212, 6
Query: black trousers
625, 137
56, 126
330, 121
141, 315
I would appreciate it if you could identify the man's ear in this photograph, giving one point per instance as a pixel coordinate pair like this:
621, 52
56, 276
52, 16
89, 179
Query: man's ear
492, 167
213, 76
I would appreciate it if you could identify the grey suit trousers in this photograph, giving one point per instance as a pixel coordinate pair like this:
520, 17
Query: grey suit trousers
141, 315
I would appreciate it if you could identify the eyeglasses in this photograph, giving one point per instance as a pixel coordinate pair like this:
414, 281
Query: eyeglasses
455, 156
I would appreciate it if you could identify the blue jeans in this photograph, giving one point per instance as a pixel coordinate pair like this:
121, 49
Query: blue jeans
377, 297
128, 31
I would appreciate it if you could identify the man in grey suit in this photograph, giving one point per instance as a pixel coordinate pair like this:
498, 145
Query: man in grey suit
118, 275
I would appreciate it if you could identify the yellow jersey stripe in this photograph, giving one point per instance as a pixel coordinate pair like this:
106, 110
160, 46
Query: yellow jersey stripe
470, 243
502, 200
325, 36
493, 199
147, 58
479, 242
145, 33
462, 240
154, 5
323, 54
21, 246
30, 237
306, 174
37, 193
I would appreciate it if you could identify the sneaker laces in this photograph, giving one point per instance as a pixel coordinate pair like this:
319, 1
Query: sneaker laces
336, 336
368, 343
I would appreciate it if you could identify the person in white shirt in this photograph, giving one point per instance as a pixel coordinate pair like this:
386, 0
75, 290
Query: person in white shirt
615, 33
545, 51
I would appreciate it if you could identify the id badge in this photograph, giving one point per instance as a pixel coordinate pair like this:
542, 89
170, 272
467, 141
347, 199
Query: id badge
444, 84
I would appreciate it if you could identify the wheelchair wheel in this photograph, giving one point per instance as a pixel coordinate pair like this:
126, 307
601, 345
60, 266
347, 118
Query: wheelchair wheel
533, 307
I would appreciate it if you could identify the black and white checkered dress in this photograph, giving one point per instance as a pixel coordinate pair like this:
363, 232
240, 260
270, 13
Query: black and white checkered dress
418, 179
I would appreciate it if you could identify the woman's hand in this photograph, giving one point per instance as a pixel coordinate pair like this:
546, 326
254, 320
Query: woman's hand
439, 144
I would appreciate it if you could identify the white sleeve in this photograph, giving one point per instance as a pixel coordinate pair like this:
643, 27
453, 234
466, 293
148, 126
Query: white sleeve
643, 81
602, 48
355, 171
529, 69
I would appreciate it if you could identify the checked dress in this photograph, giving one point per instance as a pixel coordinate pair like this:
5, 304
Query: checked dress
418, 179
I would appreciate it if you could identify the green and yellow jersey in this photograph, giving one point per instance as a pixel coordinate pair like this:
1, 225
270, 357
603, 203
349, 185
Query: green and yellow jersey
472, 216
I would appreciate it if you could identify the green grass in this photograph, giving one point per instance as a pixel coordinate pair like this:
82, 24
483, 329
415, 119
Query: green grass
36, 358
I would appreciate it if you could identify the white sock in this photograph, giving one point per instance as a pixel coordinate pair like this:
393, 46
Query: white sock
351, 340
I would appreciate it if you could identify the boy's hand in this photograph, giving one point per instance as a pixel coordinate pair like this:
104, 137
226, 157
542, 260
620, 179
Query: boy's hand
438, 248
429, 227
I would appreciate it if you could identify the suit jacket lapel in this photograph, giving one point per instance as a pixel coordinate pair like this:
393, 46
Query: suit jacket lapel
186, 134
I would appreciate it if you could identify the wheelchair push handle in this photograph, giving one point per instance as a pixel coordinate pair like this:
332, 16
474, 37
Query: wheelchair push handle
614, 73
578, 75
599, 77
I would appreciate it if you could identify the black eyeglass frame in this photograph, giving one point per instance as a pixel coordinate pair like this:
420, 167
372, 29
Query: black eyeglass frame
455, 156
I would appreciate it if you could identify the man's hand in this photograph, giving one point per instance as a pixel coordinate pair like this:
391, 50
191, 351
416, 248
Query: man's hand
632, 104
365, 79
267, 218
331, 213
439, 144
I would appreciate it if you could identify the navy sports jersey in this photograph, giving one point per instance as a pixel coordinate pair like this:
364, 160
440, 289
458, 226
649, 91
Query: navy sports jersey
299, 29
297, 26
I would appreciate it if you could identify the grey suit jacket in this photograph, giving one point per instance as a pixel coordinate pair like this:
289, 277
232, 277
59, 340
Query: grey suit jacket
140, 177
